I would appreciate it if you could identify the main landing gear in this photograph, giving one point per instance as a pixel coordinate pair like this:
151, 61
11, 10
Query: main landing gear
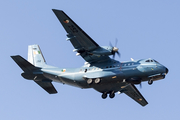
111, 95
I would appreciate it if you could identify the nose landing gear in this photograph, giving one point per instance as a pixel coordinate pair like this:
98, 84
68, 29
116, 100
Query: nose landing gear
150, 82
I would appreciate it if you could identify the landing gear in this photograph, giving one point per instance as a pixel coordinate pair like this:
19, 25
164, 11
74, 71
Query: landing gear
112, 95
97, 80
104, 96
150, 82
89, 81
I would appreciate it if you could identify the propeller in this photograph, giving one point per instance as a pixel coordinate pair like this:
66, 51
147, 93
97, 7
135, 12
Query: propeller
115, 49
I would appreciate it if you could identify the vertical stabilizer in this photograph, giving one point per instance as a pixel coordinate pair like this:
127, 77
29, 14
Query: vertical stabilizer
35, 56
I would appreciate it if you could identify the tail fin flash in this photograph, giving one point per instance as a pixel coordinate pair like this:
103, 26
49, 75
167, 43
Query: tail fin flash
35, 56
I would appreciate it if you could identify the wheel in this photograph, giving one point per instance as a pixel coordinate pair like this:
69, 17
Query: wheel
89, 81
112, 95
150, 82
104, 95
97, 80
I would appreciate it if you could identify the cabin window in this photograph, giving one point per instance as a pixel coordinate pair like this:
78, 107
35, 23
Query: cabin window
147, 61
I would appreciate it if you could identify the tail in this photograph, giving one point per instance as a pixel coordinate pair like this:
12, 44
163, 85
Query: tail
35, 56
32, 68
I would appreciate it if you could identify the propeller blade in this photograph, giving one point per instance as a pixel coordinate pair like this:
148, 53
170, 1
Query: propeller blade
115, 49
118, 54
113, 56
110, 44
116, 42
140, 85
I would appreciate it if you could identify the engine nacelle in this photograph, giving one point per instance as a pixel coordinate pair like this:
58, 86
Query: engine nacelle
103, 50
134, 80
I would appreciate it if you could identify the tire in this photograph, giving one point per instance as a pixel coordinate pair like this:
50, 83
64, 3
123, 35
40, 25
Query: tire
104, 96
150, 82
111, 95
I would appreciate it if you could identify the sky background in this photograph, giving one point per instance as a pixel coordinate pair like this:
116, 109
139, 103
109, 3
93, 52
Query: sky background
144, 28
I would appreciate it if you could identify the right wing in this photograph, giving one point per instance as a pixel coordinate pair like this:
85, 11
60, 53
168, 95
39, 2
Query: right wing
133, 92
82, 43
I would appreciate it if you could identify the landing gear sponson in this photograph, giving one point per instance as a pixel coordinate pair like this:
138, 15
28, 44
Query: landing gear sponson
96, 81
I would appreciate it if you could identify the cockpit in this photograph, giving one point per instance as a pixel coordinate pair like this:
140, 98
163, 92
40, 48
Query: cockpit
151, 60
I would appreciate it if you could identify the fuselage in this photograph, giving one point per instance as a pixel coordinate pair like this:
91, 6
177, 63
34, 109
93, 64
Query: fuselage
109, 73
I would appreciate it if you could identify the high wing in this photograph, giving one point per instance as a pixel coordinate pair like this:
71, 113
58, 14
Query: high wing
82, 43
133, 92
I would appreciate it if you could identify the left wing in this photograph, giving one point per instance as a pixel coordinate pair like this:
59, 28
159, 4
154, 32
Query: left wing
133, 92
82, 43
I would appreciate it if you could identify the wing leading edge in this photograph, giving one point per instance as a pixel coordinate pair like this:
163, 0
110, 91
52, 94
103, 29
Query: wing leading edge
82, 43
131, 91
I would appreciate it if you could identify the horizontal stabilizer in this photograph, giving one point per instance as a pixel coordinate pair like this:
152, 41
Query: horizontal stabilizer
133, 92
23, 64
47, 86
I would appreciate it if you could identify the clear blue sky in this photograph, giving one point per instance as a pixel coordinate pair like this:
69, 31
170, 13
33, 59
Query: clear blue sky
144, 28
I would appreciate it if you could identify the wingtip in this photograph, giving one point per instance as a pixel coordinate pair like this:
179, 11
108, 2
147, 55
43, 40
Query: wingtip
54, 10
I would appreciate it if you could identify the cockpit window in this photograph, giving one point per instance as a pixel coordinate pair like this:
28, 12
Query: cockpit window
147, 60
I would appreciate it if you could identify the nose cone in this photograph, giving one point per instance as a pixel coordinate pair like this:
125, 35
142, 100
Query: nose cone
167, 71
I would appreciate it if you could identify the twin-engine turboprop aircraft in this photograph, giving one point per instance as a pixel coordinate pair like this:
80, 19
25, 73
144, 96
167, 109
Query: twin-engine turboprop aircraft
99, 72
